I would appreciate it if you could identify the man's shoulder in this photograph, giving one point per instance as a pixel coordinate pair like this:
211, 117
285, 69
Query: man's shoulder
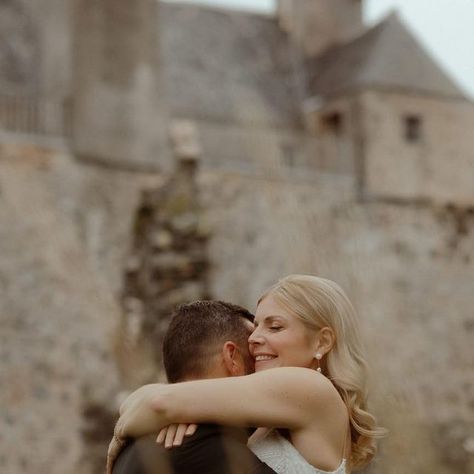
143, 456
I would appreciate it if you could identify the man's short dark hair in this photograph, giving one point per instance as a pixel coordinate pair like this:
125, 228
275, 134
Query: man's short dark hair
195, 330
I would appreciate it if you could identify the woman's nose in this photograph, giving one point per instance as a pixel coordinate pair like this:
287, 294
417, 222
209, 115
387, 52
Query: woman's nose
255, 337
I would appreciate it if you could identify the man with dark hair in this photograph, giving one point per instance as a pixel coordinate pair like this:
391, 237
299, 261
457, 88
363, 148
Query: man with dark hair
205, 339
203, 335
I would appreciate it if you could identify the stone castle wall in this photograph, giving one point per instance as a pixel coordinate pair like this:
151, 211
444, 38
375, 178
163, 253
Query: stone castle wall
64, 236
408, 270
259, 150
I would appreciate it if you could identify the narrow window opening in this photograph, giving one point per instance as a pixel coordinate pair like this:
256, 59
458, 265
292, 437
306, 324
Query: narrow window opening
333, 123
413, 126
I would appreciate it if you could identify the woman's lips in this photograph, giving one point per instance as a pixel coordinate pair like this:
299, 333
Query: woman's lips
264, 357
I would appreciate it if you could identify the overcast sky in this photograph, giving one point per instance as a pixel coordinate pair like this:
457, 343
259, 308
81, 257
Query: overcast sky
445, 27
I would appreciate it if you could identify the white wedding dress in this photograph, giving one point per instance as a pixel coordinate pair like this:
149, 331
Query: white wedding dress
278, 453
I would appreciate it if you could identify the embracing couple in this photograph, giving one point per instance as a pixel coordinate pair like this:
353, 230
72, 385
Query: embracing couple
296, 372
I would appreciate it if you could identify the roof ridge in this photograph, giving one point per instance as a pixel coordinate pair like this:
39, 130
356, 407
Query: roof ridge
386, 54
392, 21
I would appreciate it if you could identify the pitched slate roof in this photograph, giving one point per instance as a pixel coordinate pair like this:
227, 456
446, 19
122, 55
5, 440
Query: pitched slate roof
387, 56
225, 65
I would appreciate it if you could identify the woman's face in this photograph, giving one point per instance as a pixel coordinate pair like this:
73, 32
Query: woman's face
280, 339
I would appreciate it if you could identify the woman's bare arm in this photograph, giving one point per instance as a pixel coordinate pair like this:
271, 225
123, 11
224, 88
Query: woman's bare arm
286, 397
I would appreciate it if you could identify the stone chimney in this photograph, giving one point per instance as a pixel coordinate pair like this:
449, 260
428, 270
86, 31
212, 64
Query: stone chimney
315, 25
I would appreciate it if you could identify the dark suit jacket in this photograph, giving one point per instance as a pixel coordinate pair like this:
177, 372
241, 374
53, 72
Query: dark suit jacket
211, 450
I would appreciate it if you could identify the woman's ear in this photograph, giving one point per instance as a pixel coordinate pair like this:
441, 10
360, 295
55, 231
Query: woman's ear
325, 340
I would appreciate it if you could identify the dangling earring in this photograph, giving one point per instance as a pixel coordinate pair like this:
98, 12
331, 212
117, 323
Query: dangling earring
318, 357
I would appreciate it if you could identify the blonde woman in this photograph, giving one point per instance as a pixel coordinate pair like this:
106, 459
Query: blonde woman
308, 390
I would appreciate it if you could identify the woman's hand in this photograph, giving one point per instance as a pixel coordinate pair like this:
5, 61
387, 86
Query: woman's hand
137, 418
139, 415
115, 447
174, 434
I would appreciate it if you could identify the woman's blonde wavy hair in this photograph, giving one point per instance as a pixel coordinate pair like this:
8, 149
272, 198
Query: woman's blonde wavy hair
319, 303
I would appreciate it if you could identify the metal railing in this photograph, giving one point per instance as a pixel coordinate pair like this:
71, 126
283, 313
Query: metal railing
36, 115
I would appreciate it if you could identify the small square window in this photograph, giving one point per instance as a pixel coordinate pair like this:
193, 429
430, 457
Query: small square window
333, 123
413, 128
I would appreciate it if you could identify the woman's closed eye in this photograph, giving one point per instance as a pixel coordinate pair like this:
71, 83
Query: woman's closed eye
276, 328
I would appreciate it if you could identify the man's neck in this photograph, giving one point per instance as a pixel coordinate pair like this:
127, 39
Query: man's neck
212, 374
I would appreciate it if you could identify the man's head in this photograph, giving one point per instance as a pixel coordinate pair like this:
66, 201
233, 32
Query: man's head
207, 339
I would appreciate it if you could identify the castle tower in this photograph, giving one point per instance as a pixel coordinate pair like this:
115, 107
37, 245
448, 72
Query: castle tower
317, 24
118, 107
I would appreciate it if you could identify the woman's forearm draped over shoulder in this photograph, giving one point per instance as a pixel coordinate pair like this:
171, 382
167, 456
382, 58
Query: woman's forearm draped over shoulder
287, 397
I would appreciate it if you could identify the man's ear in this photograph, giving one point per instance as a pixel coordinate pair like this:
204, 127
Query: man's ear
232, 359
